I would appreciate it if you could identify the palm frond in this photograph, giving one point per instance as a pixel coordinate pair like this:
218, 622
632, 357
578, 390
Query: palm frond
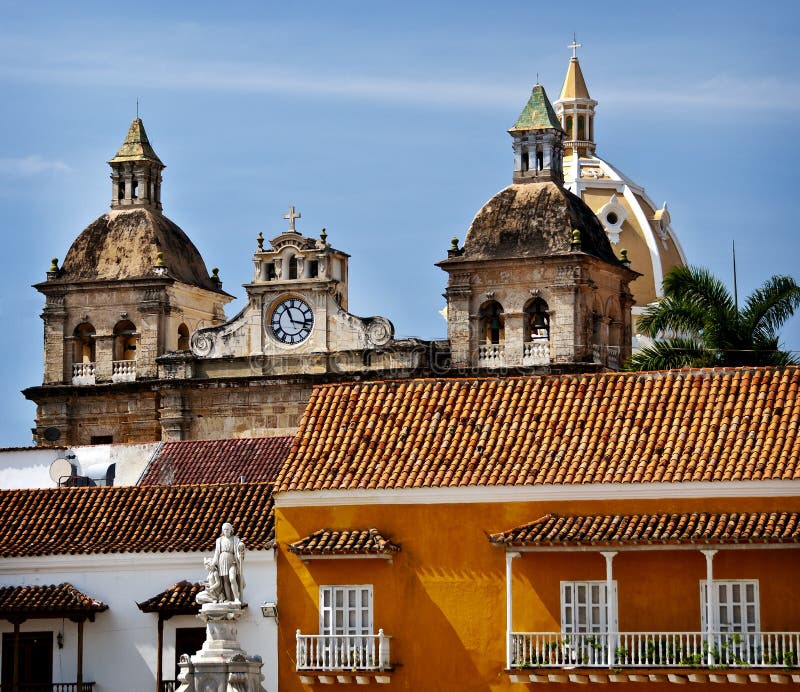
667, 354
769, 306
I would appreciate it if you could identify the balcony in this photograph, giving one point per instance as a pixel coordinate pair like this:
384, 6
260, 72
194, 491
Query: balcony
536, 352
606, 355
491, 356
327, 659
123, 371
83, 373
722, 655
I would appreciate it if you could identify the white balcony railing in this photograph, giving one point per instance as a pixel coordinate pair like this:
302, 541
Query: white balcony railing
536, 352
83, 373
343, 652
655, 649
491, 355
123, 371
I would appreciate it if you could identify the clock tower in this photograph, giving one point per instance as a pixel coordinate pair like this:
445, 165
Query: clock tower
296, 319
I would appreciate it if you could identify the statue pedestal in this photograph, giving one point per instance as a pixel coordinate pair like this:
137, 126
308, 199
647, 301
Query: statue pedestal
221, 665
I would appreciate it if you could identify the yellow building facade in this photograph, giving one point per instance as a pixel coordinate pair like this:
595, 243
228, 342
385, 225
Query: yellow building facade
466, 535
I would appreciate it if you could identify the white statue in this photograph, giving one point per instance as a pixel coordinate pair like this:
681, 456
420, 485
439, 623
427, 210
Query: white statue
229, 560
214, 591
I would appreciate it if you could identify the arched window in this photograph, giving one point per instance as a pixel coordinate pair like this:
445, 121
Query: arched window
125, 340
581, 128
492, 323
183, 337
293, 267
84, 343
568, 128
539, 160
135, 189
121, 190
525, 161
537, 320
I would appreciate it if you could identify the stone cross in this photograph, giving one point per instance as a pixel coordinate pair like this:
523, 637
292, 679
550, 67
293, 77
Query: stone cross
291, 216
574, 45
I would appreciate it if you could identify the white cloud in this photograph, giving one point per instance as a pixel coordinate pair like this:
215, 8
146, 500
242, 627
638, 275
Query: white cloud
29, 166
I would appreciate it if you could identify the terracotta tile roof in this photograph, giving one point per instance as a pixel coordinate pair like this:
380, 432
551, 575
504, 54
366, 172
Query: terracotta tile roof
132, 519
615, 529
218, 461
178, 599
330, 542
60, 600
688, 425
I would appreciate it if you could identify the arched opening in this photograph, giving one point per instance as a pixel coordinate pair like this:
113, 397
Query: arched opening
84, 343
539, 160
492, 323
568, 128
525, 161
313, 269
125, 338
293, 267
581, 127
134, 189
537, 320
121, 190
183, 337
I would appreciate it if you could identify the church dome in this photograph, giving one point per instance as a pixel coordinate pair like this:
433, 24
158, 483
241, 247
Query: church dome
125, 244
534, 220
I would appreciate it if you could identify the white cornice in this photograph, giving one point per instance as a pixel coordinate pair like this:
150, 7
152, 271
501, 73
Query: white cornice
540, 493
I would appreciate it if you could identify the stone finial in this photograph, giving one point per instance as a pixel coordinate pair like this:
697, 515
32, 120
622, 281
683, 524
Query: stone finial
576, 240
215, 277
323, 236
54, 271
623, 257
453, 250
160, 259
260, 241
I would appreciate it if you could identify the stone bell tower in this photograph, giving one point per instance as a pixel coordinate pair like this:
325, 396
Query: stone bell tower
536, 283
132, 287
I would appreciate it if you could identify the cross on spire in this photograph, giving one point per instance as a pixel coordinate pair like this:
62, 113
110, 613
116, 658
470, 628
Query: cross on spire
574, 46
291, 216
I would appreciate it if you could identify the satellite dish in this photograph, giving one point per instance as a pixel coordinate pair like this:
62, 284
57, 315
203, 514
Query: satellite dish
60, 469
51, 434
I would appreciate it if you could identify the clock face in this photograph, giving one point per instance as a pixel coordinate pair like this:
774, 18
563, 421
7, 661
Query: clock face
292, 321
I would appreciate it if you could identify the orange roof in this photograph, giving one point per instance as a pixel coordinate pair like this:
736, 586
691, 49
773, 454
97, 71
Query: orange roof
688, 425
132, 519
699, 527
62, 600
218, 461
330, 542
178, 599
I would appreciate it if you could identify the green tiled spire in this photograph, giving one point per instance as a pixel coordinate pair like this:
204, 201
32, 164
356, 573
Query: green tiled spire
538, 113
136, 146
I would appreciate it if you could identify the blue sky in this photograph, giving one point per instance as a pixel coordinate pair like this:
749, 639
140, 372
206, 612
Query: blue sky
385, 123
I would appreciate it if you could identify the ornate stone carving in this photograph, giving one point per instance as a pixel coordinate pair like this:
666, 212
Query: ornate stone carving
201, 344
379, 331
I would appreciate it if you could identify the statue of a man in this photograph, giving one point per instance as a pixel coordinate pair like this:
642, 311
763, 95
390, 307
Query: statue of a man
229, 560
214, 591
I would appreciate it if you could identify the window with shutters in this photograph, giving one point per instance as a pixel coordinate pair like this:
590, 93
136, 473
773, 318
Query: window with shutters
345, 610
583, 606
736, 605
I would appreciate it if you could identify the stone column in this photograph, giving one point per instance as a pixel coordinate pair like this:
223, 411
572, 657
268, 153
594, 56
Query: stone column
104, 356
173, 415
56, 366
515, 337
458, 323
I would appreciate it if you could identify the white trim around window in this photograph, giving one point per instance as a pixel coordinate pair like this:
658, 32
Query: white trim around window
737, 605
345, 609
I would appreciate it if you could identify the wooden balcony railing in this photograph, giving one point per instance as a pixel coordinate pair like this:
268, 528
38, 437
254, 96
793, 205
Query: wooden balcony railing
343, 652
655, 649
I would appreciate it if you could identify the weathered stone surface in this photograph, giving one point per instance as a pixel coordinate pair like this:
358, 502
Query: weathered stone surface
125, 244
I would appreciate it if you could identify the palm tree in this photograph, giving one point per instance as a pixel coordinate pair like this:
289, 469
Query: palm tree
699, 324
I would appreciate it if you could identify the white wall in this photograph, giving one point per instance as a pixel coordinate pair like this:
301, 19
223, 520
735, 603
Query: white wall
27, 467
30, 467
120, 645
